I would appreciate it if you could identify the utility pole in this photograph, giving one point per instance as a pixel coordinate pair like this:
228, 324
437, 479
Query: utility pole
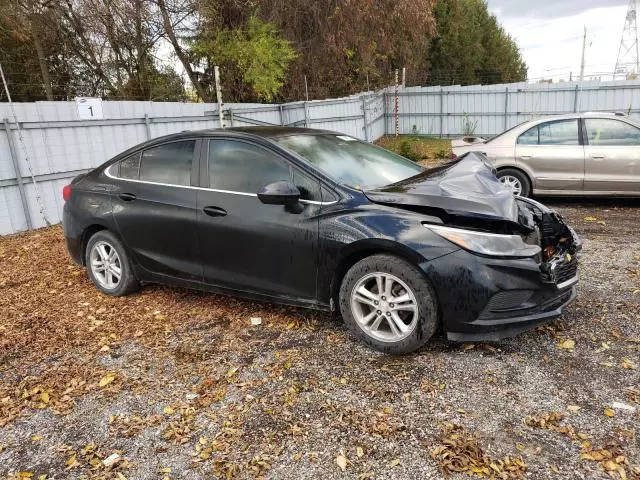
584, 47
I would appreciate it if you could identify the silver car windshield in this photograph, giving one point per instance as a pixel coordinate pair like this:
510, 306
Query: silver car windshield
351, 162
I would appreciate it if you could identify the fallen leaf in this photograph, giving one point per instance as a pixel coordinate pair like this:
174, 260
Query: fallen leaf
590, 219
341, 460
107, 379
111, 460
609, 413
394, 462
573, 408
359, 451
628, 364
567, 344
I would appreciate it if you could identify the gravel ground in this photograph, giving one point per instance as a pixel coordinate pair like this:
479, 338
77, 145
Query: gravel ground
170, 383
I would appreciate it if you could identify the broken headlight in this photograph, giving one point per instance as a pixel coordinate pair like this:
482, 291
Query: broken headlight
491, 244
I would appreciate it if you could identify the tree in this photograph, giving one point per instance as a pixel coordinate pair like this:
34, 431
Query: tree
471, 47
27, 23
342, 43
260, 56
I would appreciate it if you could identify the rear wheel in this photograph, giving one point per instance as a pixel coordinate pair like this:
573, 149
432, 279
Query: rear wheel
516, 181
388, 304
108, 265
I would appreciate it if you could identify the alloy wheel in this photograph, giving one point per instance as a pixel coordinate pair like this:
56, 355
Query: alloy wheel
513, 183
106, 265
384, 307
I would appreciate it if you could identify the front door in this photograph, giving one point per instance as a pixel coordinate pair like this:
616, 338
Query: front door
554, 154
612, 156
154, 207
247, 245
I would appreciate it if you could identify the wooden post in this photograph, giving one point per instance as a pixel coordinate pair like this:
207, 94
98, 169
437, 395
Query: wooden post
364, 117
147, 127
395, 106
506, 108
216, 70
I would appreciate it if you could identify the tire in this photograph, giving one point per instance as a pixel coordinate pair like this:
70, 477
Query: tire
405, 281
103, 243
519, 176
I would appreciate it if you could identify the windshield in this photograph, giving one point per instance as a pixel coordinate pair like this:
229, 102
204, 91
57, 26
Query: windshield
350, 161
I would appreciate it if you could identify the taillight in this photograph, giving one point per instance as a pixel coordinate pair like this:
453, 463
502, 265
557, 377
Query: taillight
66, 192
453, 156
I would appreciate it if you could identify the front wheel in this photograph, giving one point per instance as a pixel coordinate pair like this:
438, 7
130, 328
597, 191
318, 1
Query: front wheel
388, 304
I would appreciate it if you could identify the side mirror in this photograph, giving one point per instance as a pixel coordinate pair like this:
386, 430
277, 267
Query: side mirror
279, 193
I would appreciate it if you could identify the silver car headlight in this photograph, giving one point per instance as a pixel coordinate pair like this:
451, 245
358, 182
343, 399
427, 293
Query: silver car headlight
491, 244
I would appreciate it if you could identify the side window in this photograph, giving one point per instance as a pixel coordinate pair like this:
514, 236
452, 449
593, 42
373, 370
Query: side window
530, 137
130, 167
563, 132
604, 132
308, 186
169, 163
242, 167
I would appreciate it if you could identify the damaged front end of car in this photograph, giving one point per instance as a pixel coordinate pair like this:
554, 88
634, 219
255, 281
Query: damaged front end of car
518, 259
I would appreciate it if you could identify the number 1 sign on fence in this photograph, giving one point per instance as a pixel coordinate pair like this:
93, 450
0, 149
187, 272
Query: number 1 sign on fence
89, 108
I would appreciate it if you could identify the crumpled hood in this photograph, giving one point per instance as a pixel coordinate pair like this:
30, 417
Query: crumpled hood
467, 187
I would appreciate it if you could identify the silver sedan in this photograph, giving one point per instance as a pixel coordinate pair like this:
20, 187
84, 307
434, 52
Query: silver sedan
576, 154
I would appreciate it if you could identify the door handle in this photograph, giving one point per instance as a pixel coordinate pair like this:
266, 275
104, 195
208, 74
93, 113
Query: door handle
597, 157
214, 211
525, 157
127, 197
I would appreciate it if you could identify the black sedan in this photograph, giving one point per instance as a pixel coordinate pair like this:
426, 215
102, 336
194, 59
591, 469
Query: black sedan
318, 219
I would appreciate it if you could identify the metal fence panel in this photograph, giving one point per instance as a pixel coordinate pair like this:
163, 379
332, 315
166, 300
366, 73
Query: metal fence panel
59, 145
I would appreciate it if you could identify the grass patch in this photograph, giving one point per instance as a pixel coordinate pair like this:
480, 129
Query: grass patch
416, 147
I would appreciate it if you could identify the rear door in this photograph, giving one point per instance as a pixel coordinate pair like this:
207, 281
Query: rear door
154, 207
247, 245
554, 153
612, 156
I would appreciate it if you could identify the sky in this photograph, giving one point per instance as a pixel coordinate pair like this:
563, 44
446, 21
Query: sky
550, 32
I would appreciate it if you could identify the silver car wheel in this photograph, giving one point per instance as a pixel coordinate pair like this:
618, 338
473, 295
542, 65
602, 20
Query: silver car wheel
513, 183
384, 307
106, 265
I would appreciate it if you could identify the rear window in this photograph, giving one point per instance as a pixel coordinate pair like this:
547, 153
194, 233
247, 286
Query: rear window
169, 163
558, 132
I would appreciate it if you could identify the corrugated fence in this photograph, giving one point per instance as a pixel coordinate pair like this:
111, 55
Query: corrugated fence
60, 146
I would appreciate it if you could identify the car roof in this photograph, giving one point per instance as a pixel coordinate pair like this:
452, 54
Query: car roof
569, 116
261, 131
267, 132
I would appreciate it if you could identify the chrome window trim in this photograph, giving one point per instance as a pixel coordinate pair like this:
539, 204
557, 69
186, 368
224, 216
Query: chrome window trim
110, 175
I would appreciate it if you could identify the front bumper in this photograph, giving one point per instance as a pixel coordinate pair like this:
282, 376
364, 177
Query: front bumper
488, 299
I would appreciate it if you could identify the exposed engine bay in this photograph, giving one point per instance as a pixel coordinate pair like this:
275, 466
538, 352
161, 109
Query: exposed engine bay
560, 246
